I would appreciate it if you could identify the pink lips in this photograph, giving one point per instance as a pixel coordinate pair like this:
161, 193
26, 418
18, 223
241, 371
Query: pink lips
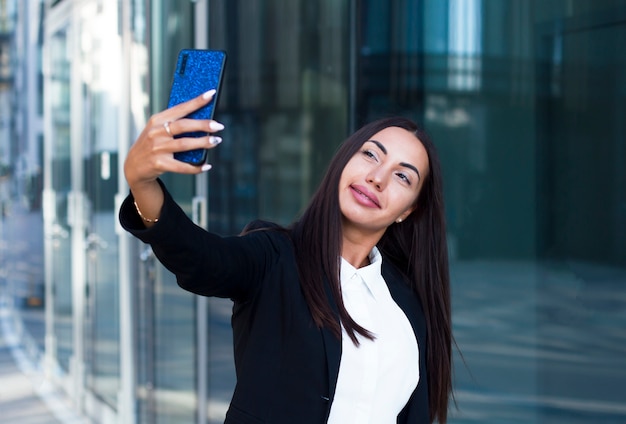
364, 196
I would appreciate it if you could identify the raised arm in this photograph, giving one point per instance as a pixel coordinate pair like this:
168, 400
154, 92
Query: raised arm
205, 263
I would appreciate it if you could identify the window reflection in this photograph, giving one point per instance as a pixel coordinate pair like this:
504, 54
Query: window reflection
285, 97
524, 110
464, 45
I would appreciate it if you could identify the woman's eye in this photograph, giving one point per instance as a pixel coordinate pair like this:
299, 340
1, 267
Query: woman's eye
369, 154
404, 178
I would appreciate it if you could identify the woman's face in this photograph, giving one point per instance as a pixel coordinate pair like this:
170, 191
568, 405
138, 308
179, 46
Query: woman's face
380, 184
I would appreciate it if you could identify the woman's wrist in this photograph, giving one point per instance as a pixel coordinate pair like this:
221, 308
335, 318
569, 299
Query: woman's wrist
148, 200
143, 217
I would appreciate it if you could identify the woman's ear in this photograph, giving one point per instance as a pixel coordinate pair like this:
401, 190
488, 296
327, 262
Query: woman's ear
405, 214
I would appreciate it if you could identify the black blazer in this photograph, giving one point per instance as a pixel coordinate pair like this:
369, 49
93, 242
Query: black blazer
286, 367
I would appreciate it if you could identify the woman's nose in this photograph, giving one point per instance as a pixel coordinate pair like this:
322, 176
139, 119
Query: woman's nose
377, 178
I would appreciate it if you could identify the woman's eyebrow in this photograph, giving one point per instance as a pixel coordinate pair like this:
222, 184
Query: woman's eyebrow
406, 165
380, 146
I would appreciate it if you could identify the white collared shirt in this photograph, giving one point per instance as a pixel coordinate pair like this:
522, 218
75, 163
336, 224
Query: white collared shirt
377, 378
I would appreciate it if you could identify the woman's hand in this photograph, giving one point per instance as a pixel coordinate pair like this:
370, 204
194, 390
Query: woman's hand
152, 154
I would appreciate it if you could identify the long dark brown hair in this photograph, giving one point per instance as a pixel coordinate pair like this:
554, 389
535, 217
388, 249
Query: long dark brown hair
417, 246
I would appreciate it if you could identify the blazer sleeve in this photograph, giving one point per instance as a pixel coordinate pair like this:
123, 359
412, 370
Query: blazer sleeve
203, 263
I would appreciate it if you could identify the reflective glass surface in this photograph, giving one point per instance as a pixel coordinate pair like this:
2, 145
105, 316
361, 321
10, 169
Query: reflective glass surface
100, 173
58, 230
285, 106
168, 358
525, 101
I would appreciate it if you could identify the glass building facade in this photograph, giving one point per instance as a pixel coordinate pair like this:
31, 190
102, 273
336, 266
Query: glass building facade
525, 100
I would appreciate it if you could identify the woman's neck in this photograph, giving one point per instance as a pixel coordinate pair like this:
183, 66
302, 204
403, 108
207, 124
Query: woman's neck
356, 249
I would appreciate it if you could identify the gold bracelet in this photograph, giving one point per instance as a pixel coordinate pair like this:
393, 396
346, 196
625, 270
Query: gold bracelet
151, 221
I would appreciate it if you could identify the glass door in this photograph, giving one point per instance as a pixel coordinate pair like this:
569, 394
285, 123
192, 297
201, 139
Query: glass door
57, 197
100, 182
167, 349
102, 344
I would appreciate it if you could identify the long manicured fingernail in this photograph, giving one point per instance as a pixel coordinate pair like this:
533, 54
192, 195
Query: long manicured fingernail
206, 167
214, 140
208, 94
216, 126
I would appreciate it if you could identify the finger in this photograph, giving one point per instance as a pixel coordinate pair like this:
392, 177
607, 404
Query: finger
168, 130
180, 167
183, 126
156, 165
184, 144
183, 109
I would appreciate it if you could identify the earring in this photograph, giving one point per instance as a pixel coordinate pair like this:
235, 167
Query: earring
399, 220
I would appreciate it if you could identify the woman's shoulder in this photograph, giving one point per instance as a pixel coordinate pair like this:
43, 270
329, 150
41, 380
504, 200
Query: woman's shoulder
276, 234
260, 224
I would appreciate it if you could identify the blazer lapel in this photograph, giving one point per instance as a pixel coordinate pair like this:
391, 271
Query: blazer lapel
406, 299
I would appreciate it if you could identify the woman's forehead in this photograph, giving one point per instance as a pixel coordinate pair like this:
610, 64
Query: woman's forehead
400, 141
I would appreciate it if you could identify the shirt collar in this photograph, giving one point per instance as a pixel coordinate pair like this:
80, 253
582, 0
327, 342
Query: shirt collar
370, 275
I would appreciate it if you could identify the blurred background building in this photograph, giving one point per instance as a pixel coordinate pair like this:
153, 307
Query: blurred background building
526, 100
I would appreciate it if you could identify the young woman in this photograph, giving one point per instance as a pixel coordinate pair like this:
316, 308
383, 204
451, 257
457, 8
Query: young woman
343, 317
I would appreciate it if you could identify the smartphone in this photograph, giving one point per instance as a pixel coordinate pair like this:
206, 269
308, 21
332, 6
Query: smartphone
197, 71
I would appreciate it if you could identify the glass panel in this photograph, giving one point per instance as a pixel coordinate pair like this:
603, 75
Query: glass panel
99, 148
285, 106
286, 88
170, 348
582, 218
525, 102
175, 351
59, 233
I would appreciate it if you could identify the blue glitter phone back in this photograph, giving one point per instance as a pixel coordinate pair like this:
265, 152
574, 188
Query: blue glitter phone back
197, 71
